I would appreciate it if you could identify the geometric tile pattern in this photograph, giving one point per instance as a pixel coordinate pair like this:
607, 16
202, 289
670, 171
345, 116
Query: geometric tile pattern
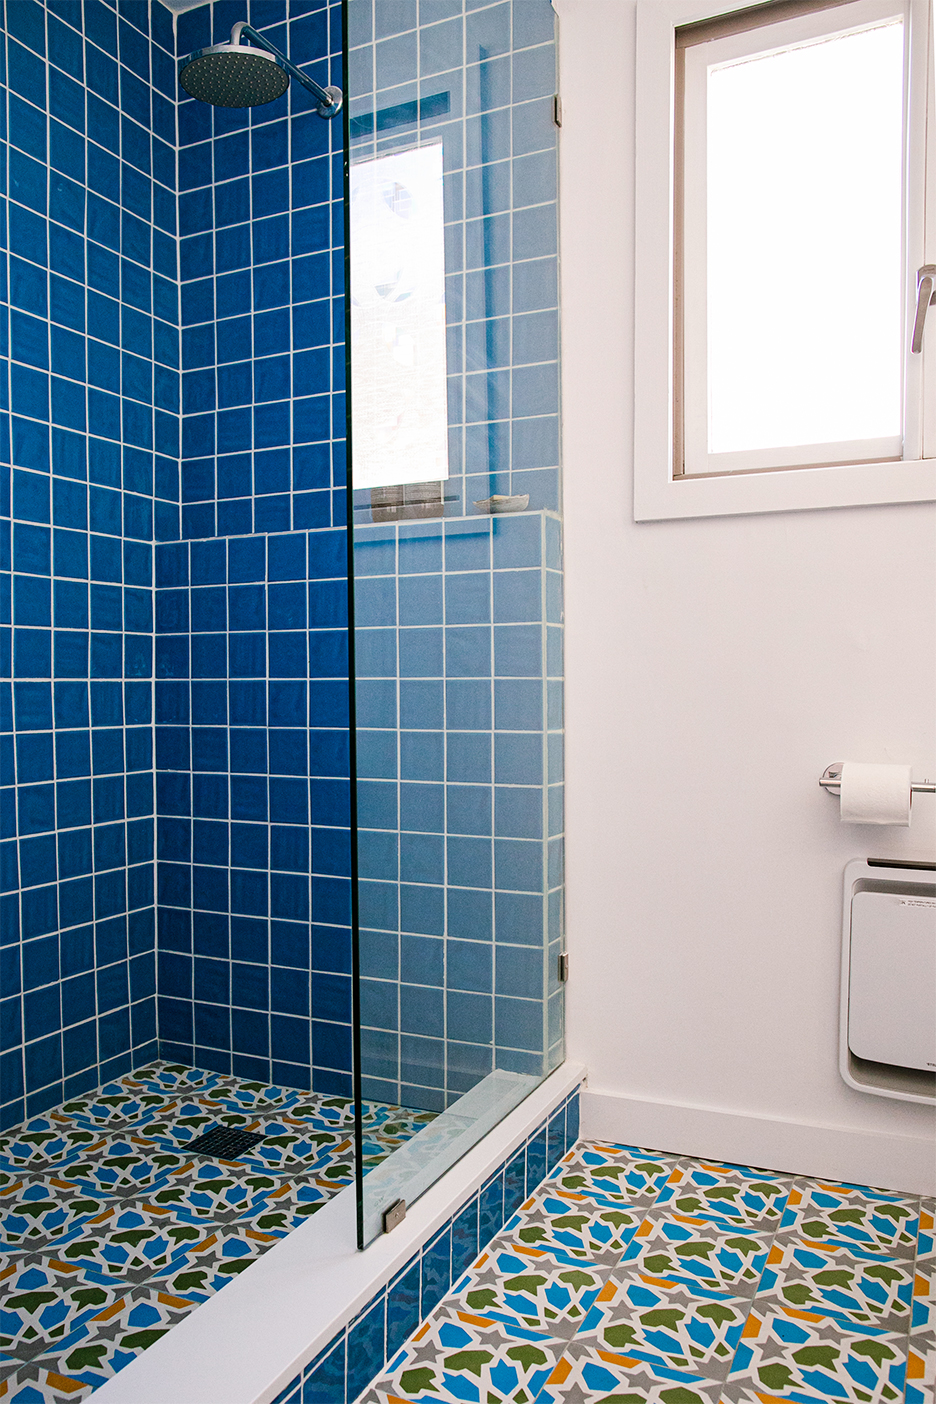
111, 1230
640, 1278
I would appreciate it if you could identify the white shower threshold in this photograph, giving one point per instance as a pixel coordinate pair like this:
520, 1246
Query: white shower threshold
245, 1344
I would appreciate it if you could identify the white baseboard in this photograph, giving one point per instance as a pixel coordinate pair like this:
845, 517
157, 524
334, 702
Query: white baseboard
877, 1158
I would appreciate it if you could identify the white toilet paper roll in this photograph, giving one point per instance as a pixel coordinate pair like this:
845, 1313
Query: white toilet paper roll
875, 794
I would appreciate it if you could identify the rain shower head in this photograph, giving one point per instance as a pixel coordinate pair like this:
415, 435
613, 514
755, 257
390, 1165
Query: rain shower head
239, 75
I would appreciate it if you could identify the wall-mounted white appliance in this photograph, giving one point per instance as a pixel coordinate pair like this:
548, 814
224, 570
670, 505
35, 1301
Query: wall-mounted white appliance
887, 1039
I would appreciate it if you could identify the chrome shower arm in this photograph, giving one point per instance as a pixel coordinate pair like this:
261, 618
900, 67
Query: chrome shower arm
329, 99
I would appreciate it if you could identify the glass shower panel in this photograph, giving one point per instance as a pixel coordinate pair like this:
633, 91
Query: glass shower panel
457, 578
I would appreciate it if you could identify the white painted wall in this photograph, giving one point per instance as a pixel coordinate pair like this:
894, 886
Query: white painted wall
715, 667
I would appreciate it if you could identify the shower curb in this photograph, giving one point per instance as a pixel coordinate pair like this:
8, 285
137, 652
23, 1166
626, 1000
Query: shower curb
247, 1344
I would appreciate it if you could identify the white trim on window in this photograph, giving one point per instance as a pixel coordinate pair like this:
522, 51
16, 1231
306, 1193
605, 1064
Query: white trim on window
762, 486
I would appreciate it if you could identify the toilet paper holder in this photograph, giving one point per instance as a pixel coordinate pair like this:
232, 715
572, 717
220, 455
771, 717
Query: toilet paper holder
831, 781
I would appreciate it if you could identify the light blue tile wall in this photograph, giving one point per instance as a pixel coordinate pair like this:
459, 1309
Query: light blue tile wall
89, 400
458, 645
459, 623
252, 727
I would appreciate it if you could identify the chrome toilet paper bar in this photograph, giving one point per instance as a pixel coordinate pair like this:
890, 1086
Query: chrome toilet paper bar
831, 781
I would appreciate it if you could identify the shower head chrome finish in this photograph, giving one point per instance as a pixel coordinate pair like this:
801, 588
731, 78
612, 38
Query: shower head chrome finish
233, 75
241, 75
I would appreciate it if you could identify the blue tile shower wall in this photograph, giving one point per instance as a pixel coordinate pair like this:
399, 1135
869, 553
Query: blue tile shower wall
252, 749
89, 440
343, 1370
252, 793
459, 624
262, 280
459, 698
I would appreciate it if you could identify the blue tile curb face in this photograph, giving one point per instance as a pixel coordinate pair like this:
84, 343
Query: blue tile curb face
356, 1356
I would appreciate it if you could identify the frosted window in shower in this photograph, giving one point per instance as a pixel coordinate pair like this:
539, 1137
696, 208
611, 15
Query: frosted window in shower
793, 250
398, 371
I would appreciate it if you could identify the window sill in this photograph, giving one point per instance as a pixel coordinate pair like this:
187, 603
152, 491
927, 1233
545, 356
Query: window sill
660, 498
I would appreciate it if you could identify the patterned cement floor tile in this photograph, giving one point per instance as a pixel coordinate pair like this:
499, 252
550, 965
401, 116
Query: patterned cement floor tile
924, 1294
286, 1208
464, 1358
589, 1375
101, 1346
42, 1300
114, 1108
123, 1166
581, 1228
733, 1193
323, 1111
256, 1097
36, 1384
867, 1218
210, 1263
799, 1356
46, 1209
175, 1127
289, 1149
214, 1190
173, 1079
46, 1142
130, 1240
926, 1237
110, 1339
857, 1287
921, 1368
527, 1288
715, 1255
615, 1172
386, 1120
666, 1324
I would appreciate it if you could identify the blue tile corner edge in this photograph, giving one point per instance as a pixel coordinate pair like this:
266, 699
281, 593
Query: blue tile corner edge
357, 1354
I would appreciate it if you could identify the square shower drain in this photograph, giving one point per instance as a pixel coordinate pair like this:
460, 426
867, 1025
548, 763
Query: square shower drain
227, 1143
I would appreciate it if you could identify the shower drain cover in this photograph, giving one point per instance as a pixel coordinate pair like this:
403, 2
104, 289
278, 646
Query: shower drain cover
226, 1142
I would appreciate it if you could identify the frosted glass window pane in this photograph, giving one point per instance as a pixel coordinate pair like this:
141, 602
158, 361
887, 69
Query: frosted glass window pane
398, 402
804, 153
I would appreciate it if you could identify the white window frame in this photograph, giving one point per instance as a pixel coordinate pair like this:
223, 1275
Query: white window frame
660, 492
